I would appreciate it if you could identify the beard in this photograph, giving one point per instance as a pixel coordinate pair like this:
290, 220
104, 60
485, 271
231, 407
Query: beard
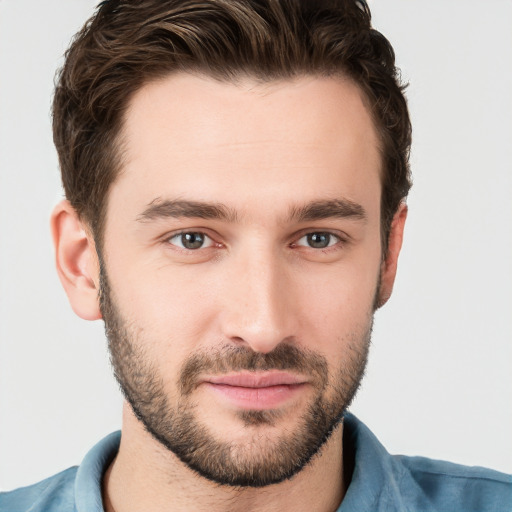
262, 458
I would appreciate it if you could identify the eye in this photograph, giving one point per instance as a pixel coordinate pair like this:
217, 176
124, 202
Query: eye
318, 240
191, 240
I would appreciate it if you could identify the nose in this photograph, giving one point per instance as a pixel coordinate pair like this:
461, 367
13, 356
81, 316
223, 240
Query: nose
259, 306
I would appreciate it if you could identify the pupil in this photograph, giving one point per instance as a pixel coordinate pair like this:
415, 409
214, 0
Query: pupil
319, 240
192, 240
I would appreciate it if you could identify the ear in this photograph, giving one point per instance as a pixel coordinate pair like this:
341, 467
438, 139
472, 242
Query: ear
76, 260
389, 264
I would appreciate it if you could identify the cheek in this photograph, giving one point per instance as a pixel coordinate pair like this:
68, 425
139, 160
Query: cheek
338, 309
170, 309
178, 309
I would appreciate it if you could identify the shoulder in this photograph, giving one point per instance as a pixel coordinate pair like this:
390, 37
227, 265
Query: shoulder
447, 486
54, 494
77, 488
384, 482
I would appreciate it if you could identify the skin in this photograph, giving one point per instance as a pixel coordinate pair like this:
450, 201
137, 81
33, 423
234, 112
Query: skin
263, 151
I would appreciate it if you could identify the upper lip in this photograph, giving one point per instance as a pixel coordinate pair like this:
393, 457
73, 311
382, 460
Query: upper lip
256, 379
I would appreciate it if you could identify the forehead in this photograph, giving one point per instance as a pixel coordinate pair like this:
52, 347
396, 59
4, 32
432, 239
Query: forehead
307, 138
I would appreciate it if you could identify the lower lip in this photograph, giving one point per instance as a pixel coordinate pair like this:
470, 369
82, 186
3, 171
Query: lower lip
257, 399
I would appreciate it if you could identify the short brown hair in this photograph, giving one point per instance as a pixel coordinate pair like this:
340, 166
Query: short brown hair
128, 43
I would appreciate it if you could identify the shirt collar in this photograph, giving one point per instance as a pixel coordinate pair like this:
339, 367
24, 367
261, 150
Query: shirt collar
88, 482
374, 485
376, 476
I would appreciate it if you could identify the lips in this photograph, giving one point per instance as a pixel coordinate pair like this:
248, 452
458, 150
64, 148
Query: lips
256, 390
257, 379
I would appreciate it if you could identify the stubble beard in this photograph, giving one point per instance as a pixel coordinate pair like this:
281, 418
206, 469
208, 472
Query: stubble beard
263, 458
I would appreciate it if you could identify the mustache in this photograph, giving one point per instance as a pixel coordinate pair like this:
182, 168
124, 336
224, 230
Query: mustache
233, 359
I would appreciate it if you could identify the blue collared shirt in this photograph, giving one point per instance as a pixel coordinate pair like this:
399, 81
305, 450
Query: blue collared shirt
380, 482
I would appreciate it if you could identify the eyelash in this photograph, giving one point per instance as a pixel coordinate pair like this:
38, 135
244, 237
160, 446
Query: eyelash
338, 240
190, 232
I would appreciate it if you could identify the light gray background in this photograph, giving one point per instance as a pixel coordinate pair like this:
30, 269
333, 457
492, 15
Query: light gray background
439, 381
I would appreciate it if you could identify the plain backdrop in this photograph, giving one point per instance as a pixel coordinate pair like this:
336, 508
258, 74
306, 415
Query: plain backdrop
439, 380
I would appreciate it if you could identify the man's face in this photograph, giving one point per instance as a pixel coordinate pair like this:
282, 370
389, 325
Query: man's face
241, 264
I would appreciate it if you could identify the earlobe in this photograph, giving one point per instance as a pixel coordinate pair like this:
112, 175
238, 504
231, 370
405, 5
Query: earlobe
76, 261
389, 264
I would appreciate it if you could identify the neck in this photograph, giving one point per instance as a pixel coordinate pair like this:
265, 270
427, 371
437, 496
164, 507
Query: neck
146, 476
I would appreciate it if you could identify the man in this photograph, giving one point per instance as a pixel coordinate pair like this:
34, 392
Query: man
235, 175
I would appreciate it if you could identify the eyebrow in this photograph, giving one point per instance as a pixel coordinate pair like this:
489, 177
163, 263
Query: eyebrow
331, 208
163, 209
315, 210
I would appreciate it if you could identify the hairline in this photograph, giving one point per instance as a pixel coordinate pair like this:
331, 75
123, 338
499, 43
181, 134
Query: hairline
119, 148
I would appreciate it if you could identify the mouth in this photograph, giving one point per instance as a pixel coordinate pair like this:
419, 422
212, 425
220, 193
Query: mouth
256, 390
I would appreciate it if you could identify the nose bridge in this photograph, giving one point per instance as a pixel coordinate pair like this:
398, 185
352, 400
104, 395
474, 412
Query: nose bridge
259, 310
